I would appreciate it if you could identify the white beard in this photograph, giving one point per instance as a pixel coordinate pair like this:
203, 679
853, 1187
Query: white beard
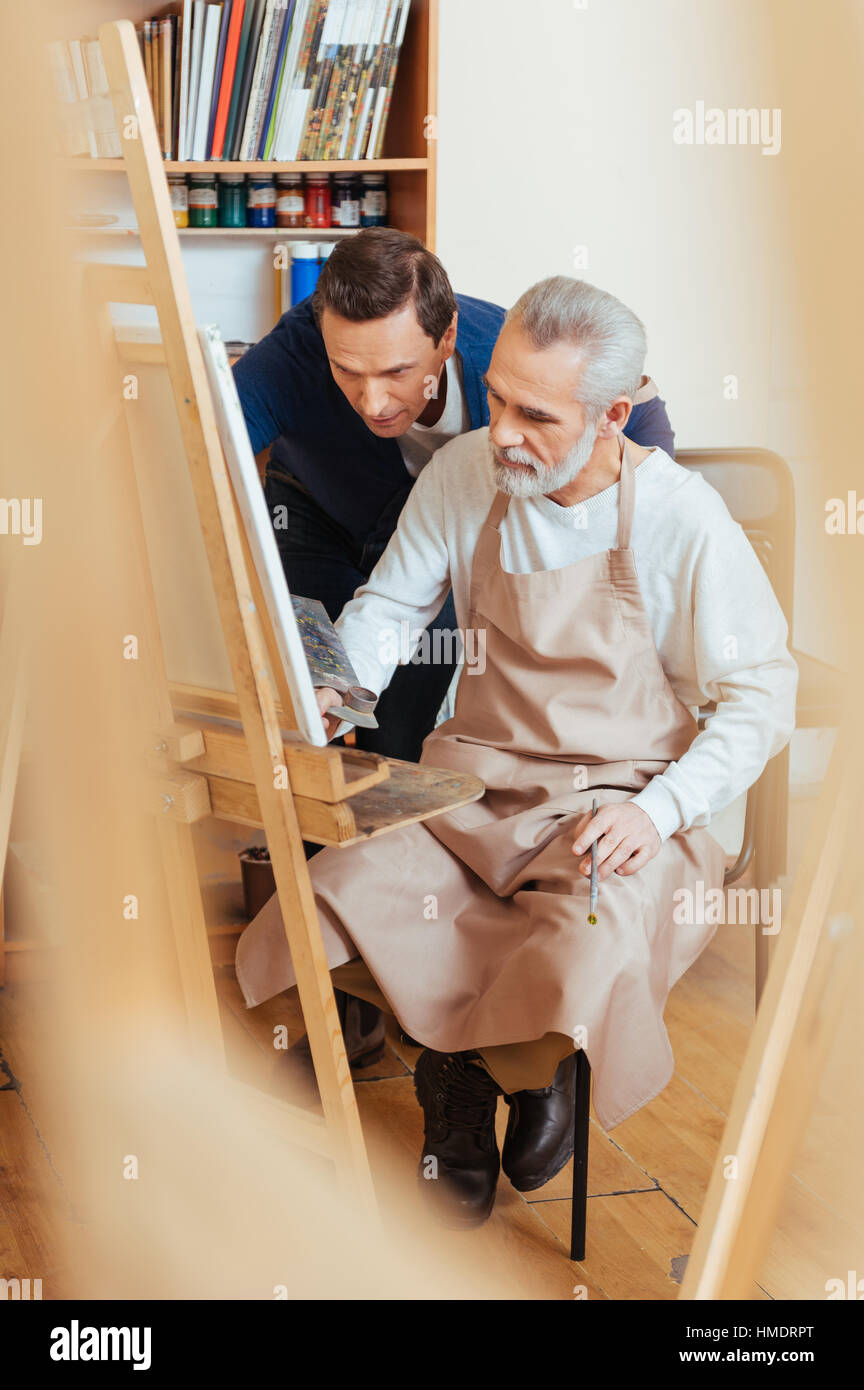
537, 480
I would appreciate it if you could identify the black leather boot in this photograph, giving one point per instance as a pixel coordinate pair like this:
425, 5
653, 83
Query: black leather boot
362, 1028
539, 1138
459, 1167
363, 1031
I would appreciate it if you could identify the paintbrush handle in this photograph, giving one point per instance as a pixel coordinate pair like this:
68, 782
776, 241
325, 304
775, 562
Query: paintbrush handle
594, 884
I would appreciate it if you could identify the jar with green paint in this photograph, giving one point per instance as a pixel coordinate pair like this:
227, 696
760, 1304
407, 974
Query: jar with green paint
232, 200
203, 208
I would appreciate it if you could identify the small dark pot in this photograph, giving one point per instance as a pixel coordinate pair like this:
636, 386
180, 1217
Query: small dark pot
259, 883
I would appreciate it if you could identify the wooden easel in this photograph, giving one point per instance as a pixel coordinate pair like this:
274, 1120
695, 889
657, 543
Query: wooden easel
821, 940
230, 769
13, 701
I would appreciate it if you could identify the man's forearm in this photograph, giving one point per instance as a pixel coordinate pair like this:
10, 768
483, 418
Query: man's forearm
382, 624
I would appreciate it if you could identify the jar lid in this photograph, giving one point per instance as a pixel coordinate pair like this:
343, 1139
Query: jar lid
202, 178
324, 249
374, 178
232, 178
289, 178
304, 251
318, 178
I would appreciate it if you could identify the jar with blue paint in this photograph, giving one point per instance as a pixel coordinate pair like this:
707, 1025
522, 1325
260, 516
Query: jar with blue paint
305, 269
261, 201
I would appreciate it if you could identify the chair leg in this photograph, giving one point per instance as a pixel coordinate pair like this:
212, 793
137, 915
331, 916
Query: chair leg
579, 1205
763, 960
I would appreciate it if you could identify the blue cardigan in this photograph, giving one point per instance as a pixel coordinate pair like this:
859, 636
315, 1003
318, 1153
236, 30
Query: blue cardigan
290, 400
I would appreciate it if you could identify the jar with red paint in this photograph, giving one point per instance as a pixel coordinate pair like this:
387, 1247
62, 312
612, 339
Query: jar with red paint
318, 204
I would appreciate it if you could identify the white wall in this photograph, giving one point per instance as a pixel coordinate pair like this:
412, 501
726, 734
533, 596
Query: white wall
555, 132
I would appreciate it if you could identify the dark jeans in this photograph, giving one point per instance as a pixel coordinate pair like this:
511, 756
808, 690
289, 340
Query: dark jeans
322, 560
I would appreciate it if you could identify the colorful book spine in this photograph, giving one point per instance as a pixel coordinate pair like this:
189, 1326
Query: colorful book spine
322, 76
208, 69
377, 139
276, 141
268, 125
217, 79
230, 66
341, 61
253, 7
183, 106
263, 64
363, 98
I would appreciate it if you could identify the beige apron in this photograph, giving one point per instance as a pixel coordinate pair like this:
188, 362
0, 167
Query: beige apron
474, 924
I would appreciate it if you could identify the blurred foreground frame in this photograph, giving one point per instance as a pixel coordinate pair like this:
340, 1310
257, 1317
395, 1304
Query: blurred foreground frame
812, 998
235, 754
124, 1037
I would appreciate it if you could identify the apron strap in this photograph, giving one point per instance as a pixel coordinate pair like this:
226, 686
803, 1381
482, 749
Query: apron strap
500, 503
488, 547
625, 497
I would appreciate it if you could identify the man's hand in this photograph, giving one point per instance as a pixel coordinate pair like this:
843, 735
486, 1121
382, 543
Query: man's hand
326, 697
626, 839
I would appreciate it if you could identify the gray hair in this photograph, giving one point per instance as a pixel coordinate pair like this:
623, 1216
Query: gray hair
612, 338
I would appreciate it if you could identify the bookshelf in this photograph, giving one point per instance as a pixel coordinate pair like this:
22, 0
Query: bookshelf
409, 158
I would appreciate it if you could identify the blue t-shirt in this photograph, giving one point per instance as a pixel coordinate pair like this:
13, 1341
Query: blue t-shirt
291, 401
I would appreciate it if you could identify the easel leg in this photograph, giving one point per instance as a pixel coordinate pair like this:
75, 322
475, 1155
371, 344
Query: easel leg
190, 938
13, 685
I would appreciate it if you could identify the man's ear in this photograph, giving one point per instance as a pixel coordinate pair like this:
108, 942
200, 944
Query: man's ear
448, 341
615, 418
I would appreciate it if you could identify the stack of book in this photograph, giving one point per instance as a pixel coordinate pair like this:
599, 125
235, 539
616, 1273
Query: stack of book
87, 115
273, 79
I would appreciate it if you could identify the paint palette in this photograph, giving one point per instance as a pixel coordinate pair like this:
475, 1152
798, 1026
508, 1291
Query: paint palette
329, 663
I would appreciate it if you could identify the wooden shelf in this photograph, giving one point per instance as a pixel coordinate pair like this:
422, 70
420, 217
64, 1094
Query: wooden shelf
258, 166
276, 233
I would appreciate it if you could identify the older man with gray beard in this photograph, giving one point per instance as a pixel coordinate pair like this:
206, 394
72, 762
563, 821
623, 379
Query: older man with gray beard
605, 581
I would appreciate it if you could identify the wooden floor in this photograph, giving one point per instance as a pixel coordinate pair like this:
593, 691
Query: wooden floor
647, 1178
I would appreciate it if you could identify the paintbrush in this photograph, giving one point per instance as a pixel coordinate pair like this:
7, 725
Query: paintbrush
592, 912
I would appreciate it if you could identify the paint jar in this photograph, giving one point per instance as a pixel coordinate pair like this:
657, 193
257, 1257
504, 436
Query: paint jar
373, 209
290, 202
203, 203
305, 269
179, 191
346, 200
318, 207
324, 249
261, 201
232, 200
256, 875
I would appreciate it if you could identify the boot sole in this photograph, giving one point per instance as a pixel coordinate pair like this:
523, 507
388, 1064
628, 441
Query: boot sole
549, 1172
452, 1223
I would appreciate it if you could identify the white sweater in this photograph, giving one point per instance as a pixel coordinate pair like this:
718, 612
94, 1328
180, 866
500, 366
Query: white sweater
717, 625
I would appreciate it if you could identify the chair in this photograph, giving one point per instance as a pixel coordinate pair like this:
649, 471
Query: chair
758, 489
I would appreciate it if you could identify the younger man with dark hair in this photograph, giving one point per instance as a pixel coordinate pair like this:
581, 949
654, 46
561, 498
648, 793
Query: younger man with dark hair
355, 388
